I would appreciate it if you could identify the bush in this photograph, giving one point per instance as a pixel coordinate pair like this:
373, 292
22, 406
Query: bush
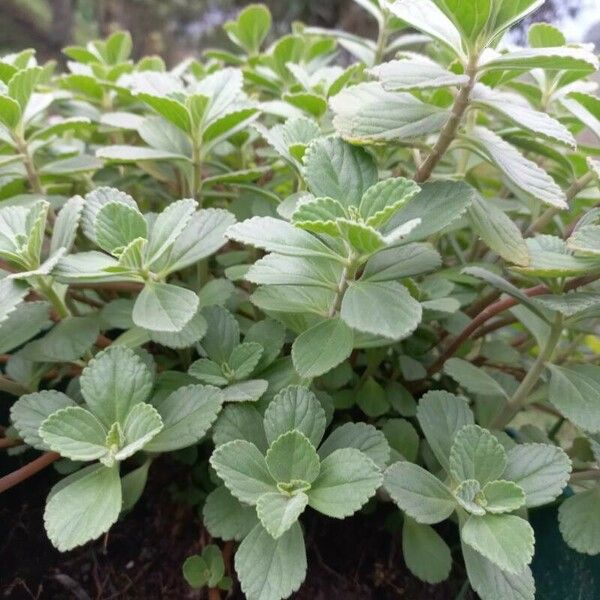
380, 286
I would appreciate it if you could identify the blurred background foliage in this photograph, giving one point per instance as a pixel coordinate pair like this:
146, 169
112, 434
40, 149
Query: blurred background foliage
176, 29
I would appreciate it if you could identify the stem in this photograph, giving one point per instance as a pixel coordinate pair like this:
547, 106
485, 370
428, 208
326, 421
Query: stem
30, 469
519, 399
382, 38
61, 308
449, 130
12, 387
578, 186
585, 475
32, 174
348, 273
196, 171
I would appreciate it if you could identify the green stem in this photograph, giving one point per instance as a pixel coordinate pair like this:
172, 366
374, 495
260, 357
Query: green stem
196, 172
348, 273
382, 38
519, 398
33, 177
57, 302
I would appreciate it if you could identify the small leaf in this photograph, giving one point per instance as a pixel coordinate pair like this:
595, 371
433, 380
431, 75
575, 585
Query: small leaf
417, 492
322, 347
116, 225
503, 496
382, 200
226, 517
473, 379
142, 424
243, 469
278, 512
348, 478
579, 521
291, 457
476, 454
506, 540
244, 358
83, 506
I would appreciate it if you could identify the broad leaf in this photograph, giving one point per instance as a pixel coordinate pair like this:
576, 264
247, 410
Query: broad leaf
226, 517
291, 457
278, 512
579, 521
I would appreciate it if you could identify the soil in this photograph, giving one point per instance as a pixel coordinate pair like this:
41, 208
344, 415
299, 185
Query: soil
141, 557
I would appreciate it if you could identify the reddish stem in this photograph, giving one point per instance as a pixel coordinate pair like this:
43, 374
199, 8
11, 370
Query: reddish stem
30, 469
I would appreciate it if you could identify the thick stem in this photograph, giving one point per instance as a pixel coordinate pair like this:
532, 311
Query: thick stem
449, 130
59, 306
32, 175
578, 186
519, 398
30, 469
382, 38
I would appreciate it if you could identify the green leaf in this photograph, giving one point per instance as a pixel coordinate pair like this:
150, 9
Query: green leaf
403, 261
196, 571
66, 341
498, 231
268, 568
541, 470
552, 59
575, 392
226, 517
319, 215
544, 35
66, 224
187, 414
425, 553
363, 239
402, 438
83, 506
10, 112
386, 309
579, 521
491, 582
515, 108
172, 110
506, 540
291, 457
142, 424
188, 336
335, 169
503, 496
425, 16
278, 512
521, 171
415, 74
322, 347
244, 358
74, 433
471, 17
367, 114
473, 379
133, 484
295, 408
243, 469
27, 320
468, 495
275, 235
294, 299
418, 493
113, 382
271, 336
347, 480
95, 200
164, 307
12, 293
585, 240
245, 391
385, 198
31, 410
22, 84
251, 28
476, 454
240, 422
208, 371
438, 204
116, 225
441, 415
222, 335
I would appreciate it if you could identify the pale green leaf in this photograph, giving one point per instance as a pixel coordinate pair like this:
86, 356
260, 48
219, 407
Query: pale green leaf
415, 73
473, 379
579, 521
291, 457
142, 424
278, 512
503, 496
226, 517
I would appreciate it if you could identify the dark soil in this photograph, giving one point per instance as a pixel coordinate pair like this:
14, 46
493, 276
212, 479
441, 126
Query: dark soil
141, 558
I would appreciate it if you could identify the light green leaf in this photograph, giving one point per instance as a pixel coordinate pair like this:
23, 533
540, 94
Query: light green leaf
359, 436
579, 521
22, 84
23, 323
471, 17
335, 169
188, 336
363, 239
117, 224
133, 484
575, 393
74, 433
476, 454
271, 336
10, 112
208, 371
319, 215
164, 307
424, 551
222, 334
83, 506
415, 73
541, 470
294, 299
123, 154
244, 358
552, 59
503, 496
295, 408
66, 224
12, 293
506, 540
240, 422
187, 414
473, 379
243, 469
425, 16
402, 438
385, 198
544, 35
142, 424
251, 27
245, 391
268, 568
275, 235
492, 583
521, 171
402, 261
31, 410
291, 457
278, 512
498, 231
386, 309
98, 198
468, 495
366, 113
172, 110
441, 415
418, 493
226, 517
322, 347
113, 382
348, 478
586, 240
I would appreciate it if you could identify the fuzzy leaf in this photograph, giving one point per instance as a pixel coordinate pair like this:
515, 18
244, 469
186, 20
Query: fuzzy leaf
291, 457
278, 512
